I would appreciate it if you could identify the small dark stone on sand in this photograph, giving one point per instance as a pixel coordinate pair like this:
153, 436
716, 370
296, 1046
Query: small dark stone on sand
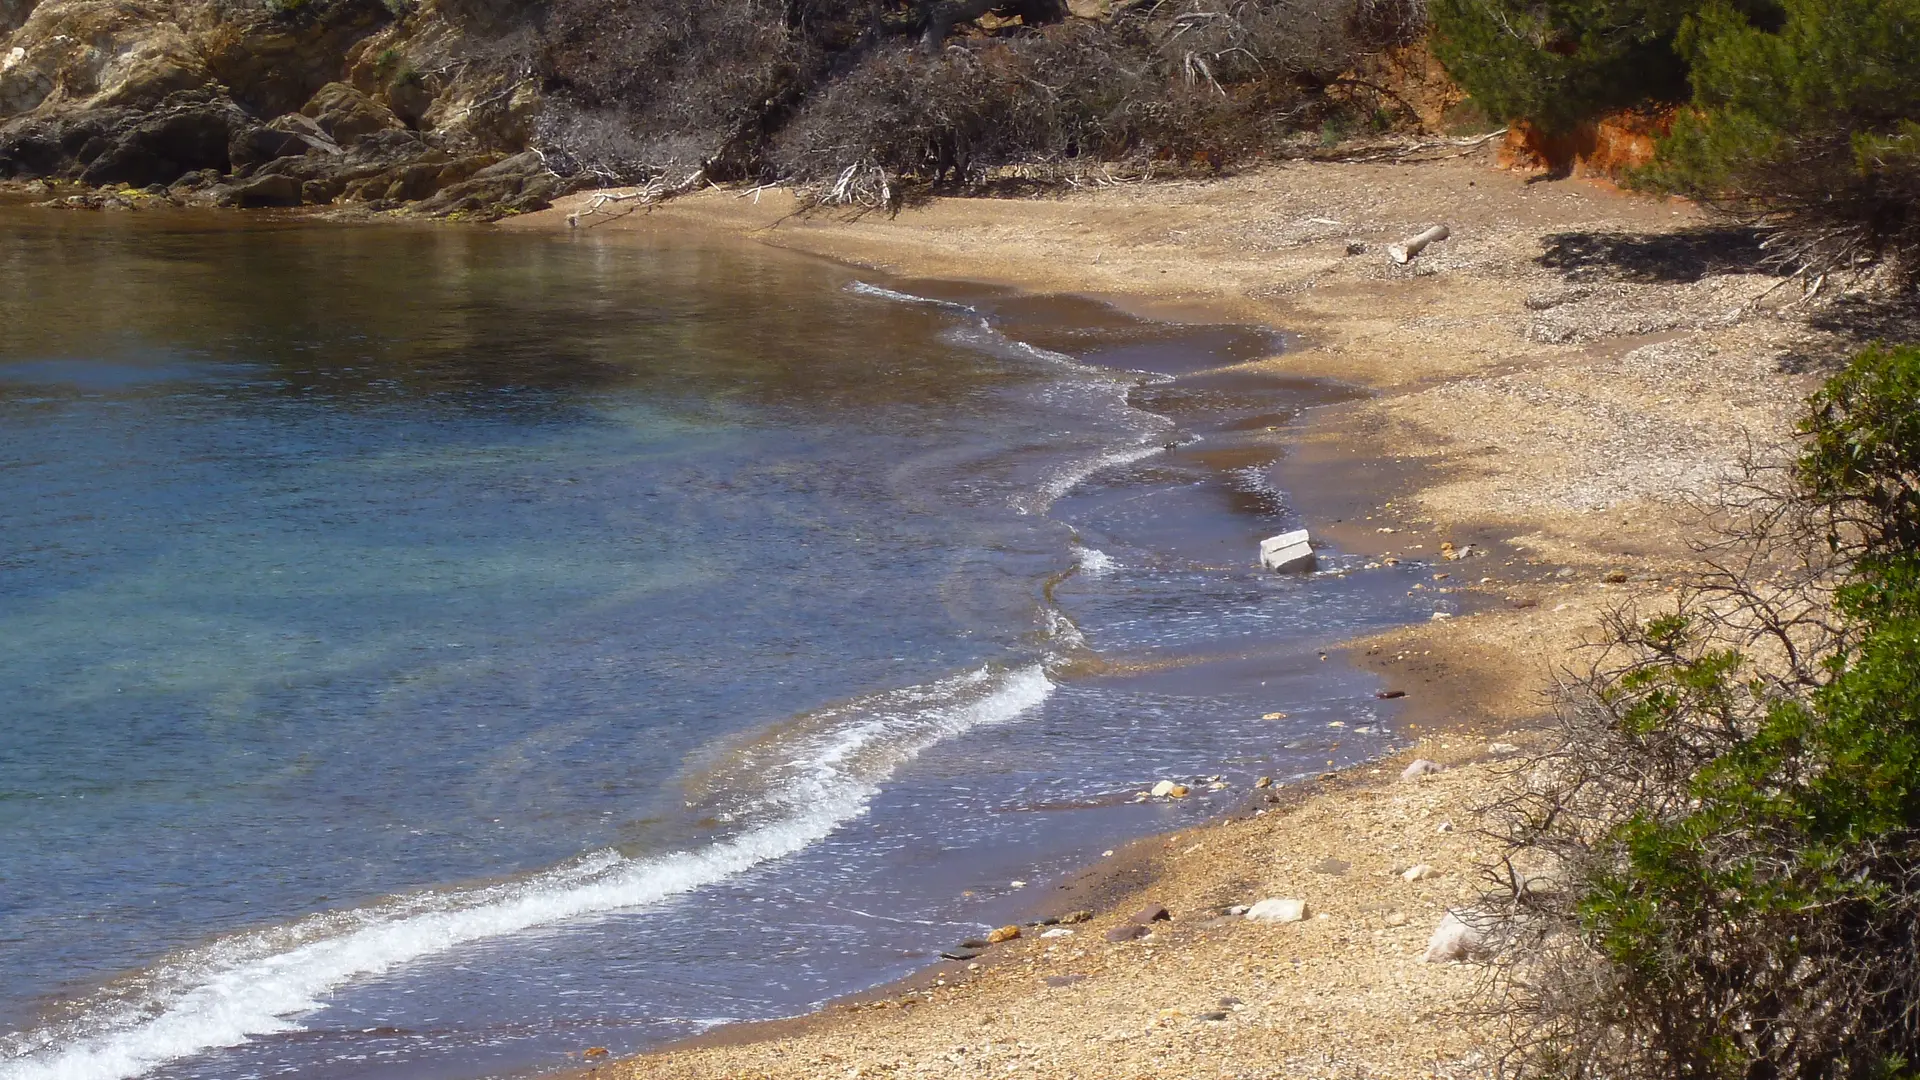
1151, 913
1389, 695
1212, 1016
1332, 867
1230, 1002
974, 943
959, 954
1126, 932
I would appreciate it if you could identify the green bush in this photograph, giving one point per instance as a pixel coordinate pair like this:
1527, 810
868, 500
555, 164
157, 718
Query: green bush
1734, 808
1799, 114
1811, 124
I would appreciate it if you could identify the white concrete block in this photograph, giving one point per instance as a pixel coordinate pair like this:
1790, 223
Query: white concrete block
1288, 551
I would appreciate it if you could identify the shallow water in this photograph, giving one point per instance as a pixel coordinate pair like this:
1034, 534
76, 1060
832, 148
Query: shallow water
430, 651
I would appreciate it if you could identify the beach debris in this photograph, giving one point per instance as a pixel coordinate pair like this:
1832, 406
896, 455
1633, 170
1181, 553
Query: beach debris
1150, 914
1457, 939
1286, 552
1420, 768
1080, 916
1406, 250
1005, 933
1389, 695
1278, 909
1264, 782
1418, 872
1127, 932
1167, 789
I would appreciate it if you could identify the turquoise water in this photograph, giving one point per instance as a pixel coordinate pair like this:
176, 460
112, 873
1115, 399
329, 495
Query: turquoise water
429, 651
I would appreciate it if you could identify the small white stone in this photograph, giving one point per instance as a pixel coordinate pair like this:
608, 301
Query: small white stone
1237, 909
1456, 939
1017, 884
1418, 872
1058, 931
1502, 748
1420, 768
1162, 789
1278, 910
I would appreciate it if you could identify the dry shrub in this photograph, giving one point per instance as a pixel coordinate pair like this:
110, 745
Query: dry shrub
810, 90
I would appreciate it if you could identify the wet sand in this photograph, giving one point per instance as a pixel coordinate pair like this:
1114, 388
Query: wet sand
1558, 386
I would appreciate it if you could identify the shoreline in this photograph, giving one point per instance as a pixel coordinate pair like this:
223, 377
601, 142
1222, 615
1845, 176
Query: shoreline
1535, 394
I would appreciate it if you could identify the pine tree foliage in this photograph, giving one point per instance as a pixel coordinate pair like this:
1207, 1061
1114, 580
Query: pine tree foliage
1801, 115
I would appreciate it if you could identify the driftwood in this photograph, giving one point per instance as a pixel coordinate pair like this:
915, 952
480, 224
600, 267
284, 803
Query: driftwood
1404, 251
653, 192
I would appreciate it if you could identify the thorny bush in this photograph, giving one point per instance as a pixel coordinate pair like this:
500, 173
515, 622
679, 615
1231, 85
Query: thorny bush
1715, 870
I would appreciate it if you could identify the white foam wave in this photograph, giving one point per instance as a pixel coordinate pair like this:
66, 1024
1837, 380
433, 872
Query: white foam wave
258, 983
861, 288
1050, 491
1063, 632
1095, 563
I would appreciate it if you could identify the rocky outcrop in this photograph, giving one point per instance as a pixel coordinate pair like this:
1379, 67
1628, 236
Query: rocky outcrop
247, 103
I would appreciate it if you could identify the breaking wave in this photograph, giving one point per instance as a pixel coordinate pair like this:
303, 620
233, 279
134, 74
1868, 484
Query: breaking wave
259, 983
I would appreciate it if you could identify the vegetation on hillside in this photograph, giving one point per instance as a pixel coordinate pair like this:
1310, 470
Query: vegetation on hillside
817, 90
1715, 873
1801, 115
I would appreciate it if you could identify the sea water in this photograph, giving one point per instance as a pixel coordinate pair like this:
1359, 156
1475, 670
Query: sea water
428, 652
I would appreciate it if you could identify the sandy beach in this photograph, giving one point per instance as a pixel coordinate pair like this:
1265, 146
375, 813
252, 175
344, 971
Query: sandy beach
1555, 390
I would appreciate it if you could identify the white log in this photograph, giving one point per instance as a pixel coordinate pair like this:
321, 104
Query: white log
1288, 551
1404, 251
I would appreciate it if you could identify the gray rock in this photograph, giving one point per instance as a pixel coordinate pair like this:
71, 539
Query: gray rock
266, 191
1127, 932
